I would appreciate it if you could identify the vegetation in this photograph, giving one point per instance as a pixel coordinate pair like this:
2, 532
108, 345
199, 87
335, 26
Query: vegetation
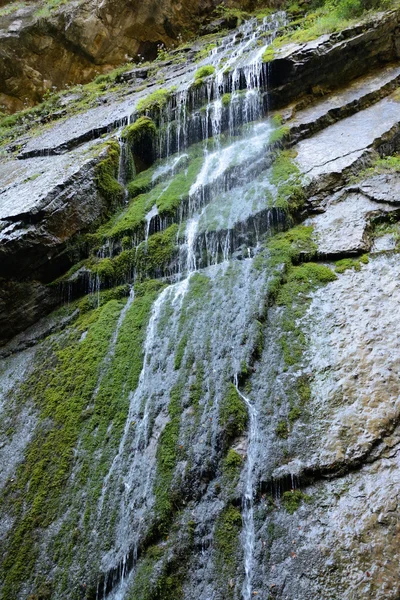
106, 175
282, 430
226, 541
148, 259
156, 101
167, 453
324, 17
233, 414
204, 71
351, 263
63, 390
226, 100
205, 51
157, 578
286, 176
231, 467
279, 134
291, 500
140, 130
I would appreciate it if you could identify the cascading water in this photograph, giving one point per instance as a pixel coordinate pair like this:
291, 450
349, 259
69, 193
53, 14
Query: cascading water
231, 181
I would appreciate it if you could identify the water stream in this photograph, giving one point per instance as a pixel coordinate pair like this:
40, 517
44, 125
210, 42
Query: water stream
248, 533
230, 185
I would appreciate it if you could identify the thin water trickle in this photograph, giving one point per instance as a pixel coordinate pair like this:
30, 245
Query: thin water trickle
248, 533
111, 350
150, 215
141, 429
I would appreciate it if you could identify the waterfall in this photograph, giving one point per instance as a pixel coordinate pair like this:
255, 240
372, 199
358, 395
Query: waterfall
230, 185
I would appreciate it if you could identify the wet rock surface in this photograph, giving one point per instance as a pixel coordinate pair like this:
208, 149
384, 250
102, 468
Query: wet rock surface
227, 429
344, 226
74, 42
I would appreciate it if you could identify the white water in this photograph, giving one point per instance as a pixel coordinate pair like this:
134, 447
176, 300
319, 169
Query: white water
150, 215
133, 468
248, 532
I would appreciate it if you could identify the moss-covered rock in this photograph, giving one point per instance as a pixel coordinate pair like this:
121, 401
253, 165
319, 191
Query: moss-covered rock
233, 414
205, 71
106, 175
227, 549
141, 137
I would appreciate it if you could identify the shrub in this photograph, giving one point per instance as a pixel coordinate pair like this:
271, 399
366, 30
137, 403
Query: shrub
205, 71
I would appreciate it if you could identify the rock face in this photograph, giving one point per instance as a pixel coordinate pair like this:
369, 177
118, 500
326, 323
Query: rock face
42, 48
199, 371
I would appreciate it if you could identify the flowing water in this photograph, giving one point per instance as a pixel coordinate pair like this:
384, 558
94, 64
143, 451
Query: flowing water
230, 187
248, 533
213, 155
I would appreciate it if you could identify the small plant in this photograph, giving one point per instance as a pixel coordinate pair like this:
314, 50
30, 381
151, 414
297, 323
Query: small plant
204, 71
155, 101
162, 53
226, 100
282, 430
233, 414
292, 500
351, 263
294, 414
268, 55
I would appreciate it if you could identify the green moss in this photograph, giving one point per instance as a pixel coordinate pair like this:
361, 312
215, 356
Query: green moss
167, 454
226, 543
180, 351
141, 129
294, 414
282, 430
156, 255
106, 176
291, 500
303, 389
233, 415
226, 99
141, 184
105, 269
169, 199
132, 220
155, 101
303, 279
150, 258
204, 52
287, 248
294, 296
279, 134
199, 289
204, 71
351, 263
92, 301
268, 55
156, 578
290, 288
63, 388
196, 388
286, 176
277, 120
231, 468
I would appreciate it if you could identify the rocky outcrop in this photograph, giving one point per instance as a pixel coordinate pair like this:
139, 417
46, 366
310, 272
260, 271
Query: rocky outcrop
333, 59
42, 47
229, 428
42, 211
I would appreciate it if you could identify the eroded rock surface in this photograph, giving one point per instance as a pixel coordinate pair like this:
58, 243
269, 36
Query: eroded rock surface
213, 411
